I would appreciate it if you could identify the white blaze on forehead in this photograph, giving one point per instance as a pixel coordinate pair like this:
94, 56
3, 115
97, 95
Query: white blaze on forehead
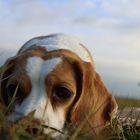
59, 41
37, 69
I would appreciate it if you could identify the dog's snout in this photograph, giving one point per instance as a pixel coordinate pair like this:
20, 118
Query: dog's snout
36, 122
34, 127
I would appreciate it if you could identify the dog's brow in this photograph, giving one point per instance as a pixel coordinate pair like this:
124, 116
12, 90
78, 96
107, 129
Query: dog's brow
37, 66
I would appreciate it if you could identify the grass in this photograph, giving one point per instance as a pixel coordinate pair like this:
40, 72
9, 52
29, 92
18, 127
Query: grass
116, 130
127, 102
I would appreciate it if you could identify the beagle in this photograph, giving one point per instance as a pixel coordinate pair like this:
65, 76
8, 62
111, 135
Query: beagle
56, 79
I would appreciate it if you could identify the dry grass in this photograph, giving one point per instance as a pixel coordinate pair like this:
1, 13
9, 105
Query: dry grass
117, 130
127, 102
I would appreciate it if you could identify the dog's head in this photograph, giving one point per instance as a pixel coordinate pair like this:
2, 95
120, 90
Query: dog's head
54, 77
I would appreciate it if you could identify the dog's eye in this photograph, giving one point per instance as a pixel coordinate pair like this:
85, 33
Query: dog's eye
11, 88
62, 93
13, 91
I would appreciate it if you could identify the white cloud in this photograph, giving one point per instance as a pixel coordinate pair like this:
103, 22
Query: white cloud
111, 29
121, 7
89, 3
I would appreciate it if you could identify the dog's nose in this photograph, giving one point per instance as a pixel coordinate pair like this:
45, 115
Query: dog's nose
34, 127
35, 122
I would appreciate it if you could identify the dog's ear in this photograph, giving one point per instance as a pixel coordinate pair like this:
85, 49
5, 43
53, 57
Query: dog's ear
94, 105
5, 74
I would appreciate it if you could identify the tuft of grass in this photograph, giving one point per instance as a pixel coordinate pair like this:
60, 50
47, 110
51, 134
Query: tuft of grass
120, 129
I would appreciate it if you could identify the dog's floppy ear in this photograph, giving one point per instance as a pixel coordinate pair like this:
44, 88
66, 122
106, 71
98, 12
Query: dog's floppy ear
5, 74
94, 106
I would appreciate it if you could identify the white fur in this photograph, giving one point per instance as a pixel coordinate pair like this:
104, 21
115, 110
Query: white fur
51, 118
59, 41
37, 101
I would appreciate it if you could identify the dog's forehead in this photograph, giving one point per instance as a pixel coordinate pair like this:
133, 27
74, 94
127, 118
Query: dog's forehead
59, 41
36, 66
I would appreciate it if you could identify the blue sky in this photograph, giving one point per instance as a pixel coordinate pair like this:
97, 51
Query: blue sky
109, 28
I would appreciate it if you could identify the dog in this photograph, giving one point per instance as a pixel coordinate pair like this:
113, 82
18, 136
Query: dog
56, 78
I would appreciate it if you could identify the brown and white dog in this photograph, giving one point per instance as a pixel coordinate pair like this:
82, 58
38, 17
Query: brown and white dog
57, 80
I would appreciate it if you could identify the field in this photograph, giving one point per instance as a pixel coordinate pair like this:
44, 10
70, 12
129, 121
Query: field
117, 130
126, 102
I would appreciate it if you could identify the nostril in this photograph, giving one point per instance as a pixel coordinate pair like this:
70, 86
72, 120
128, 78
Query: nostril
34, 128
35, 131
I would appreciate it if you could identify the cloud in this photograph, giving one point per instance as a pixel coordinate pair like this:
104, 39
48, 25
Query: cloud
85, 20
29, 13
111, 30
121, 8
89, 3
118, 15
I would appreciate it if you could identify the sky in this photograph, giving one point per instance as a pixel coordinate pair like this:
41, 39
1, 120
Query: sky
109, 28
